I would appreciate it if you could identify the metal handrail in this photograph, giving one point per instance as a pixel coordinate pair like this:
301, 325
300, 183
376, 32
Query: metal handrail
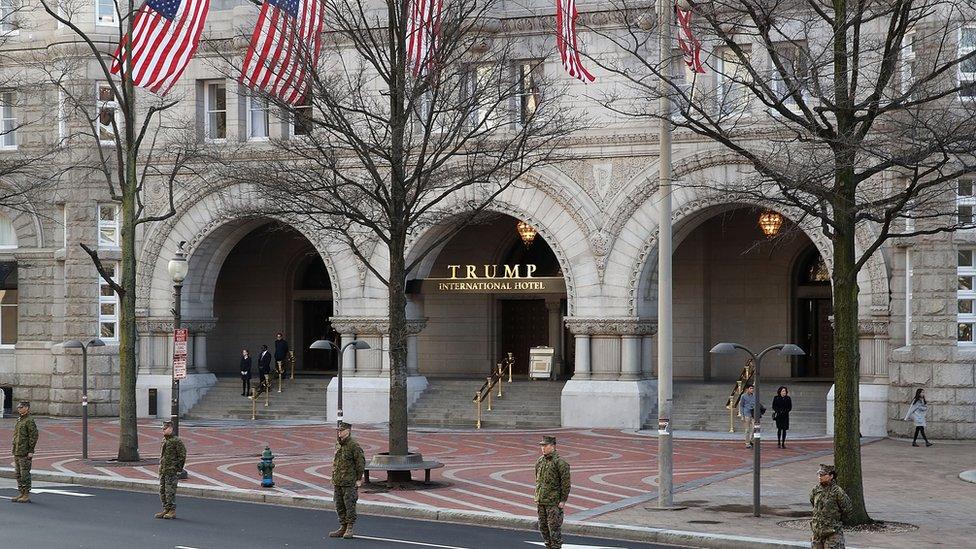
487, 388
733, 402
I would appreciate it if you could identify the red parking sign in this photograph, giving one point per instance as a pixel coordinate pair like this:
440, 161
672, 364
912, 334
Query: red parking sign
179, 353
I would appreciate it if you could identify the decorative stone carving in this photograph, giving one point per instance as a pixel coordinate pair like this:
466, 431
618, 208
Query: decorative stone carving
611, 326
872, 327
159, 325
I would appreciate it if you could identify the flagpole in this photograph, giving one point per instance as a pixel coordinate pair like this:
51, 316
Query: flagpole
665, 448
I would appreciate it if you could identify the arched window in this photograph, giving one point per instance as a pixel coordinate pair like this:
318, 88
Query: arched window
8, 303
8, 238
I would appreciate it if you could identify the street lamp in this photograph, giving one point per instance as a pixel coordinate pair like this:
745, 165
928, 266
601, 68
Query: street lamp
785, 349
75, 344
325, 344
177, 268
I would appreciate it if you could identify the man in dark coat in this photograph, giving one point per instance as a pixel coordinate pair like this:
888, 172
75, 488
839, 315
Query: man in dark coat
552, 484
348, 466
264, 367
281, 352
25, 439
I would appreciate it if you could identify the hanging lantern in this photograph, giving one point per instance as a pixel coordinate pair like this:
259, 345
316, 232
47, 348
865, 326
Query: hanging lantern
526, 233
770, 223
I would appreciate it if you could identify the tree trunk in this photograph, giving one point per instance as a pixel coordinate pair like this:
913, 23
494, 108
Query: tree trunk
398, 345
128, 428
847, 371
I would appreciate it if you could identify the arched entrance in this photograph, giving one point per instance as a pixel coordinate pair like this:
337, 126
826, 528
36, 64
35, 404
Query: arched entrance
271, 281
813, 309
732, 283
487, 294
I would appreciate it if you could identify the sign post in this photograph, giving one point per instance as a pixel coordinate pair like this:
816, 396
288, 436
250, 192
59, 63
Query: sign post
179, 373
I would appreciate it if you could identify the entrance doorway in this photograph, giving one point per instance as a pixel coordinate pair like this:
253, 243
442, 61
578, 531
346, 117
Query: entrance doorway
315, 326
525, 324
814, 308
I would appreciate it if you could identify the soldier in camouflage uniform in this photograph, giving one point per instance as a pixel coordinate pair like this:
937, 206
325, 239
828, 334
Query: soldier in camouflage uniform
830, 507
172, 458
25, 439
348, 467
551, 492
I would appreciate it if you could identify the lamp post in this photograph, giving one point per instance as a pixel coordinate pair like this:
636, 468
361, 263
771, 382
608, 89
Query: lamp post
75, 344
785, 349
177, 268
325, 344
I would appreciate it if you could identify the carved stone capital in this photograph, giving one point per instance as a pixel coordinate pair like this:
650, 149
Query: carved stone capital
361, 325
611, 326
416, 325
164, 325
872, 327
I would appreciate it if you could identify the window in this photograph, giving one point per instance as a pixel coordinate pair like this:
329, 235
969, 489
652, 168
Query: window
965, 201
215, 111
8, 237
301, 123
423, 115
483, 96
8, 303
965, 296
732, 79
529, 88
108, 225
62, 118
105, 13
908, 62
967, 68
108, 114
257, 117
108, 304
795, 74
684, 78
8, 123
8, 16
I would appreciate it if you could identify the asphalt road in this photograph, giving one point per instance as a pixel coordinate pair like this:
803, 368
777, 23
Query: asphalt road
82, 517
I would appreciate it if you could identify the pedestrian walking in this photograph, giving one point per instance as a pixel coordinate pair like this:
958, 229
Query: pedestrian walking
245, 373
747, 407
172, 458
264, 367
25, 440
782, 405
281, 352
916, 412
830, 507
348, 466
552, 484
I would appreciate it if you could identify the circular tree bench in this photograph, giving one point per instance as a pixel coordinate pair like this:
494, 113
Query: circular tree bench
409, 462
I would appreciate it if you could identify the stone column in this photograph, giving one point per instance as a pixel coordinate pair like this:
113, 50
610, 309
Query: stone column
348, 358
582, 356
630, 356
414, 327
554, 307
649, 354
386, 355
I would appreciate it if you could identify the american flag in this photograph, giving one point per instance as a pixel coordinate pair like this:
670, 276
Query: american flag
284, 48
566, 15
165, 36
690, 46
423, 33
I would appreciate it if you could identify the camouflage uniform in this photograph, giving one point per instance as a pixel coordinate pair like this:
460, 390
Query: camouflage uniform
172, 458
25, 439
830, 506
551, 488
348, 467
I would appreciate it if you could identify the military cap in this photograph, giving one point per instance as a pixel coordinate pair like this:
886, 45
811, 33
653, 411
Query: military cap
344, 426
167, 423
24, 404
548, 440
827, 470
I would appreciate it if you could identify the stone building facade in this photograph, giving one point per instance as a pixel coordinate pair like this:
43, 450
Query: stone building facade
597, 223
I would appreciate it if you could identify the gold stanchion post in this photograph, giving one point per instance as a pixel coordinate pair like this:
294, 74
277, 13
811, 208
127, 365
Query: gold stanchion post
291, 360
254, 404
477, 405
267, 392
511, 361
279, 381
500, 380
489, 393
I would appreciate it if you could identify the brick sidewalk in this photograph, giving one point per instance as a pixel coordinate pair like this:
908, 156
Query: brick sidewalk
488, 471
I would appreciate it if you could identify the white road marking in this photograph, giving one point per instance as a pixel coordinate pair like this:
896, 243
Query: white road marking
60, 492
408, 542
185, 547
573, 546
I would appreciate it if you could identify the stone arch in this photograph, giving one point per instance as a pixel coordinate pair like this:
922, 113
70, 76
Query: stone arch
27, 226
694, 205
561, 230
211, 224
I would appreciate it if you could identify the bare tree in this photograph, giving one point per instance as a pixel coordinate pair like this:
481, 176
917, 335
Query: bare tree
383, 147
132, 148
856, 114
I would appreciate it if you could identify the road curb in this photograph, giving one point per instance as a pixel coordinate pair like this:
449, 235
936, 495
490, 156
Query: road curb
498, 520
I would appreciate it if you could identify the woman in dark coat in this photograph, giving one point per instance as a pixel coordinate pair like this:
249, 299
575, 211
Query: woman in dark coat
782, 404
245, 373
